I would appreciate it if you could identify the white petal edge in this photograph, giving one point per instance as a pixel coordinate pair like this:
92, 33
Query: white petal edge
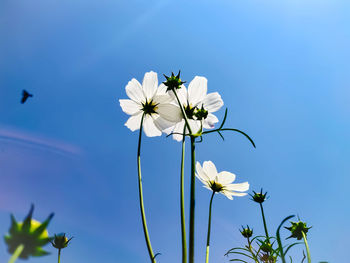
241, 187
134, 122
134, 91
201, 174
130, 107
197, 90
210, 169
213, 102
149, 127
226, 178
210, 121
150, 84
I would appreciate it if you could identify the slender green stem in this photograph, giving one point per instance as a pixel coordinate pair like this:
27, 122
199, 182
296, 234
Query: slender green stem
59, 255
183, 112
265, 227
182, 202
144, 223
251, 250
192, 200
16, 254
307, 248
209, 226
193, 171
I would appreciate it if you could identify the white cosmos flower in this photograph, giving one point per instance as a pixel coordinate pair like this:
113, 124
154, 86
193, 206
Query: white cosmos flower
199, 107
220, 182
151, 101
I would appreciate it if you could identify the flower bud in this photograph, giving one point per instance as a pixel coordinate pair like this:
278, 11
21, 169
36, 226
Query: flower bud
259, 197
201, 114
246, 232
60, 241
296, 229
173, 82
30, 233
266, 246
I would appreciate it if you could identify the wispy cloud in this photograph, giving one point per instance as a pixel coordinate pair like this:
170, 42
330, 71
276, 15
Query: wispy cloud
37, 141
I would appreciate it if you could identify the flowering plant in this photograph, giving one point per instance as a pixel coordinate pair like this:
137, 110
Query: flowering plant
183, 113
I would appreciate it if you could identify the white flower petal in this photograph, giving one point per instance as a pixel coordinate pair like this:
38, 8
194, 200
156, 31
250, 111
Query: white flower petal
164, 98
210, 170
150, 84
226, 178
197, 90
169, 112
201, 174
134, 122
213, 102
130, 107
149, 127
227, 194
134, 91
162, 89
238, 194
195, 126
178, 131
209, 122
242, 187
207, 186
182, 95
164, 125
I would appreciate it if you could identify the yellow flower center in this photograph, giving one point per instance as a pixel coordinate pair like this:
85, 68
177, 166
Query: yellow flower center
34, 224
216, 187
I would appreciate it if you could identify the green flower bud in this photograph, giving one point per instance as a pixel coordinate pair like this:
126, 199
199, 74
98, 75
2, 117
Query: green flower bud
296, 229
246, 232
266, 246
268, 258
30, 233
60, 241
259, 197
173, 82
201, 114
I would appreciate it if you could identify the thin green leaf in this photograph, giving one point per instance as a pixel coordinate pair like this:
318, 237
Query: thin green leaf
222, 137
241, 253
230, 129
280, 247
256, 238
157, 254
224, 120
240, 260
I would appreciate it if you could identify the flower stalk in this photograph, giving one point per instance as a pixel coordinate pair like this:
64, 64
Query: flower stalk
264, 221
209, 227
16, 254
182, 202
144, 222
183, 113
193, 172
192, 199
307, 247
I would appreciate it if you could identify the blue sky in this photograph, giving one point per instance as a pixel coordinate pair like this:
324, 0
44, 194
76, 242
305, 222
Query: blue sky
281, 68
